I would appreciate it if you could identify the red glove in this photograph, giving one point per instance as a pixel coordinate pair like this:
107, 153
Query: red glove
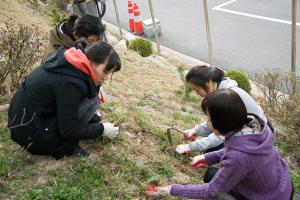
152, 188
157, 191
199, 162
190, 135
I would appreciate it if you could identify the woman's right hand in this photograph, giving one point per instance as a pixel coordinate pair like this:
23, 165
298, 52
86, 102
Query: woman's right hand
110, 131
199, 162
159, 190
183, 149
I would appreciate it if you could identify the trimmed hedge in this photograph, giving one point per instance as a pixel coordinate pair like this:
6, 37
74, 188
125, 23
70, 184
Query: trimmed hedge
241, 78
142, 46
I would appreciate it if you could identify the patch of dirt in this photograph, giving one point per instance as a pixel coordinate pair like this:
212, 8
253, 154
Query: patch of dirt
147, 84
23, 14
153, 80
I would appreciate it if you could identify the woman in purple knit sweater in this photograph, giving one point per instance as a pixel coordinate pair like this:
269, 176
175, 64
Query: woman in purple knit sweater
250, 165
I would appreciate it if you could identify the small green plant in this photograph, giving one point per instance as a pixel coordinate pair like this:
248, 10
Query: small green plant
35, 194
33, 3
241, 78
138, 120
181, 68
142, 46
183, 109
160, 136
5, 170
164, 169
64, 192
57, 15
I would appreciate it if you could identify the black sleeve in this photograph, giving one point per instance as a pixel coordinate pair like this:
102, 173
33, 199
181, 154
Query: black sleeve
95, 119
68, 98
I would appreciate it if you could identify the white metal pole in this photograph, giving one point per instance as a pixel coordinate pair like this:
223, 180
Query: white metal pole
118, 18
154, 26
208, 33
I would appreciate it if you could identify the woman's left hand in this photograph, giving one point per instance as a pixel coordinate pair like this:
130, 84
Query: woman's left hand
159, 191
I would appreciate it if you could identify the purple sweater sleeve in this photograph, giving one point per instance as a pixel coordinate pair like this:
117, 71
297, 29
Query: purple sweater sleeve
231, 172
214, 157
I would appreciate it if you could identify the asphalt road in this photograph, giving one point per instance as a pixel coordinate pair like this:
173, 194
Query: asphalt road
249, 35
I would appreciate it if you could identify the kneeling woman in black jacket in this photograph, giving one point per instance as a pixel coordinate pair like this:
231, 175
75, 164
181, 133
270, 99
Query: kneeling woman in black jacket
55, 105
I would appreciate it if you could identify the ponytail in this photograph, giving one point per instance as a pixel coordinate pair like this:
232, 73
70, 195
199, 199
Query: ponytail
81, 44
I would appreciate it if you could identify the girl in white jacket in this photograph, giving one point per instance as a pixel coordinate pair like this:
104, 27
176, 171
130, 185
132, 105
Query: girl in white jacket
205, 80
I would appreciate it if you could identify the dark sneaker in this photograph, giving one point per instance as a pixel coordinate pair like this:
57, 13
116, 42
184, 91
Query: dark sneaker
78, 151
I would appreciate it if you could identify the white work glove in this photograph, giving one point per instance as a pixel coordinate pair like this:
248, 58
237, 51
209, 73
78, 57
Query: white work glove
159, 191
190, 134
110, 131
101, 95
183, 149
199, 161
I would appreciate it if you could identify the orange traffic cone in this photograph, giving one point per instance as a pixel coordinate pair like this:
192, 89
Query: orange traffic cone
138, 25
131, 19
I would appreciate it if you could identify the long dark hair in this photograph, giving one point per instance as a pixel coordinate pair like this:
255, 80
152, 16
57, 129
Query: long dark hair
200, 75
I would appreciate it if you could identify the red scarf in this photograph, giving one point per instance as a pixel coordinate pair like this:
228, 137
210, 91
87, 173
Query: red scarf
79, 60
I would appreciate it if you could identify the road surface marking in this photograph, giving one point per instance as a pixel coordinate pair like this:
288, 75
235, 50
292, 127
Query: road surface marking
219, 8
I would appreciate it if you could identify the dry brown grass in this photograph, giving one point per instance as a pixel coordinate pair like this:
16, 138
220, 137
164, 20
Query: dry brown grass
143, 101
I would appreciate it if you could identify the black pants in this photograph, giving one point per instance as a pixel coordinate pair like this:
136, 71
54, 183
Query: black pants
221, 146
87, 111
270, 125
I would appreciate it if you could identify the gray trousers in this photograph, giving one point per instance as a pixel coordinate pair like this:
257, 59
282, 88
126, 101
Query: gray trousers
87, 109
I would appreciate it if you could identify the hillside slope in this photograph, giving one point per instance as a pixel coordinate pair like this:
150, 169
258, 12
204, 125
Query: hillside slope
144, 98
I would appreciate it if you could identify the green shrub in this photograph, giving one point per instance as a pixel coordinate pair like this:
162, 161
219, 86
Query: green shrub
142, 46
20, 48
241, 78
